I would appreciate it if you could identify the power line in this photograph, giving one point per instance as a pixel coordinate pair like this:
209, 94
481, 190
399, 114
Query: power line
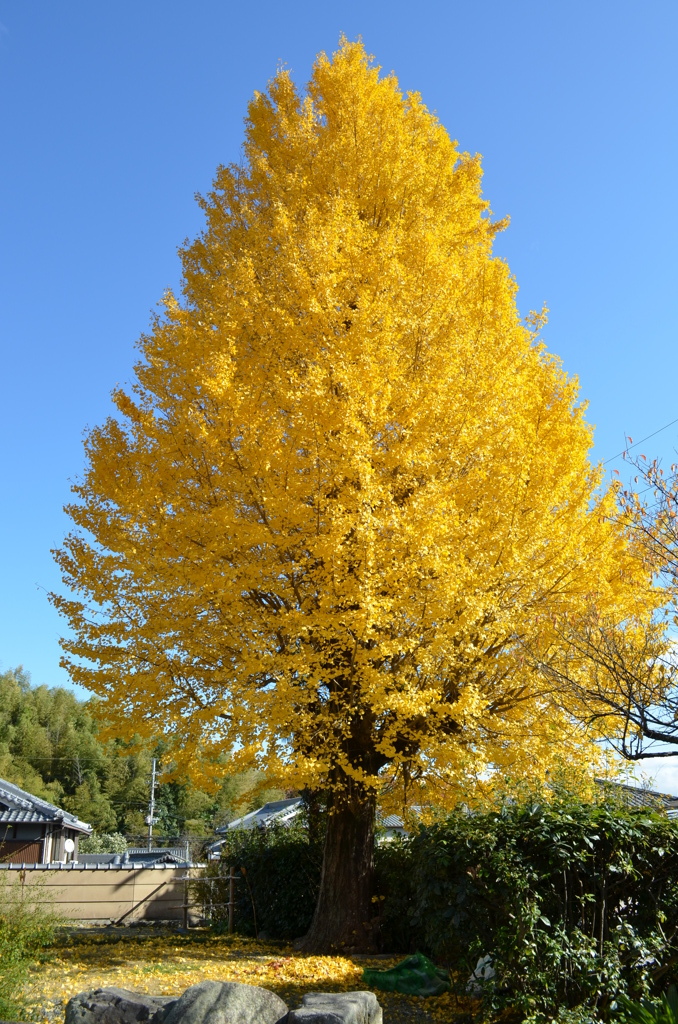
642, 441
71, 757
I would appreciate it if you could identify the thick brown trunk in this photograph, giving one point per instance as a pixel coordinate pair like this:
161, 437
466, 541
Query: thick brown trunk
342, 914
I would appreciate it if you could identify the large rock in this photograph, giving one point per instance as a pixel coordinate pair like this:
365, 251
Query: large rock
337, 1008
226, 1002
116, 1006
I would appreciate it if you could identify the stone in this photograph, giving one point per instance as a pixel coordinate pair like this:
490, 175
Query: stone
116, 1006
337, 1008
226, 1002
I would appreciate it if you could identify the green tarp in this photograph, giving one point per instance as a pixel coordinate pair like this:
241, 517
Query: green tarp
415, 976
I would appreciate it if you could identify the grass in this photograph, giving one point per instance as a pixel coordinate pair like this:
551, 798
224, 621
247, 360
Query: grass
28, 924
167, 964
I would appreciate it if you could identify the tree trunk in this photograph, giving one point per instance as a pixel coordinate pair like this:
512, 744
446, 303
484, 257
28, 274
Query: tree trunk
342, 915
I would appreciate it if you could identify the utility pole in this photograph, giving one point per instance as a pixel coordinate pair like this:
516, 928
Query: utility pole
150, 820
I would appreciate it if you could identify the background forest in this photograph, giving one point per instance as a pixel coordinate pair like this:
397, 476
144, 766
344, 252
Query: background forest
50, 746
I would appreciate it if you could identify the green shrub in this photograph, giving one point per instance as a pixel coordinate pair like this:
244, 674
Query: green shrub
395, 901
27, 926
103, 842
281, 881
277, 891
575, 904
659, 1011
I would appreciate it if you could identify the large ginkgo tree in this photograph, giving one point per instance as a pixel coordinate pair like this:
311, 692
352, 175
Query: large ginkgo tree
348, 488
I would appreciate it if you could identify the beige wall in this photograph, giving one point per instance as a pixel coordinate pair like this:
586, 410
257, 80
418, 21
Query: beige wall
105, 894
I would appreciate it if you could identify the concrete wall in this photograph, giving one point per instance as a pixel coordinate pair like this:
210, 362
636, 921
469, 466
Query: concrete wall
103, 893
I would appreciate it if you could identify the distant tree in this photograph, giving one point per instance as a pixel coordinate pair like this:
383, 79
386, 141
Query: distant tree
91, 805
47, 737
347, 485
103, 842
51, 745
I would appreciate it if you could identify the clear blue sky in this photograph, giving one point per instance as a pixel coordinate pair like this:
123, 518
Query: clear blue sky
114, 115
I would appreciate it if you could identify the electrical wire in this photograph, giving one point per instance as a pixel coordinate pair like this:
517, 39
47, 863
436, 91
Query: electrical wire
642, 441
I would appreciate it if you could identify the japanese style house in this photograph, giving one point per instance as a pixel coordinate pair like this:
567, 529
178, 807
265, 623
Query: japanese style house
35, 832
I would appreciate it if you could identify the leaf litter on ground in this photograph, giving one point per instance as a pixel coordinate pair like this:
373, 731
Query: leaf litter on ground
167, 964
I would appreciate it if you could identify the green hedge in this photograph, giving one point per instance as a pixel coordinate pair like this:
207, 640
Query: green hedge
278, 887
575, 903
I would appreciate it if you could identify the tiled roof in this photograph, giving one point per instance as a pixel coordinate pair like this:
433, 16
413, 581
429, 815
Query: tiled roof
392, 821
77, 866
138, 858
280, 811
638, 796
25, 817
16, 805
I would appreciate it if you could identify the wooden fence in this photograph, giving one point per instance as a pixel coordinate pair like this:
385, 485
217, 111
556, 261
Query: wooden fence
105, 893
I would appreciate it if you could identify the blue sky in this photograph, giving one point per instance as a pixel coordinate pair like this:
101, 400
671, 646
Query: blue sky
113, 116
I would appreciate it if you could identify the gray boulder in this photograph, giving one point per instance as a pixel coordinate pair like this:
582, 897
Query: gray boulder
116, 1006
226, 1002
337, 1008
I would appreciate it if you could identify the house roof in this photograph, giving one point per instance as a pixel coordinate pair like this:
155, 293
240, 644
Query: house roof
167, 856
18, 806
638, 796
283, 812
160, 855
280, 811
392, 821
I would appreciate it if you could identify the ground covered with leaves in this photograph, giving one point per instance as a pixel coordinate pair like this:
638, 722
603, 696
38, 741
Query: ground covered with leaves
168, 963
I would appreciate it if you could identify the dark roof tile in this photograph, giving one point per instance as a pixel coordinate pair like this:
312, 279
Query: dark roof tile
16, 805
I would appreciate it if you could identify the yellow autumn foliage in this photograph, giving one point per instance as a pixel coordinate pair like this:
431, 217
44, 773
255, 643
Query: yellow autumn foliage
349, 485
168, 965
